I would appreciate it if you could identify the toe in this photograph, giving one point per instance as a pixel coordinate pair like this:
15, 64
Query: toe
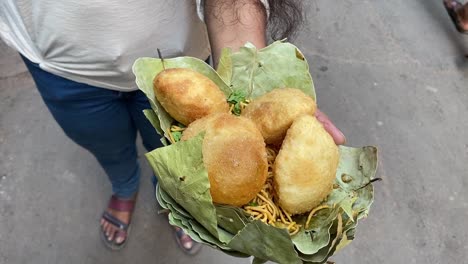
186, 241
188, 244
120, 237
111, 234
108, 230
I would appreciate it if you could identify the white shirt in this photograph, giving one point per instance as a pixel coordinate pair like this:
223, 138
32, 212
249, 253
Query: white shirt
96, 41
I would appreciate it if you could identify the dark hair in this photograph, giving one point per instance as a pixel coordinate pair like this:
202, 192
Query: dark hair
286, 18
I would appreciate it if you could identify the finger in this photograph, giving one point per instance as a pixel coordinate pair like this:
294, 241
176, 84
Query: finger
336, 134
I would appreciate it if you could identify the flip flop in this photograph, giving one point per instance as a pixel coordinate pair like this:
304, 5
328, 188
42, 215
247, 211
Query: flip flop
121, 205
193, 250
454, 16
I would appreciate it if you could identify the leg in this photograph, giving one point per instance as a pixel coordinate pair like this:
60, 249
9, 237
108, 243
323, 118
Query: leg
98, 120
137, 103
151, 139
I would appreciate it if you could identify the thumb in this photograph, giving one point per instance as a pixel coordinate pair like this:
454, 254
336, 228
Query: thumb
336, 134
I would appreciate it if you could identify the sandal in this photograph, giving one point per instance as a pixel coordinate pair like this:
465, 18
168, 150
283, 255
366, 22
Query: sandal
451, 10
183, 239
121, 205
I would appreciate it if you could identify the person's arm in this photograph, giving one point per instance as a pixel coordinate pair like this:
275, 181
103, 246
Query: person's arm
232, 23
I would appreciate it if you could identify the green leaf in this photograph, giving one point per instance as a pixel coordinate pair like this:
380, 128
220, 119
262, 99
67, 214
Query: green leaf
236, 98
344, 199
171, 203
322, 255
225, 65
179, 223
317, 234
337, 239
360, 164
265, 242
154, 120
308, 242
258, 261
257, 72
347, 239
160, 200
146, 69
235, 254
182, 175
232, 219
206, 236
177, 135
253, 204
193, 228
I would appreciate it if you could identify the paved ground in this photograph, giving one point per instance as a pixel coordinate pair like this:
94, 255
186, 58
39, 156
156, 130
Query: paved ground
389, 73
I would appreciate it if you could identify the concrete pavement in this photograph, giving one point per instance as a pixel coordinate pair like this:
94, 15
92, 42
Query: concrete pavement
389, 73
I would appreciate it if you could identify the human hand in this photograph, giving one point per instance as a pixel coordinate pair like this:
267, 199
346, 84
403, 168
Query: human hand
336, 134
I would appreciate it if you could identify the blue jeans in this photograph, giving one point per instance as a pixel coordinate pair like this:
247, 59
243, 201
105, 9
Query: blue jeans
103, 121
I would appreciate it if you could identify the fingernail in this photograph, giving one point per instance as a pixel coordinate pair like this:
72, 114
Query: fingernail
344, 138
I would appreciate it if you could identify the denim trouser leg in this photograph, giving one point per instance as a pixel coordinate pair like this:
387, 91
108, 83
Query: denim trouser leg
103, 121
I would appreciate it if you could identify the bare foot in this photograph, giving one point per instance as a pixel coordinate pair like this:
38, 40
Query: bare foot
122, 210
112, 232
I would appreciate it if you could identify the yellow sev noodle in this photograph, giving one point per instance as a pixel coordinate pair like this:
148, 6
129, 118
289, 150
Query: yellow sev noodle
264, 208
268, 211
174, 128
